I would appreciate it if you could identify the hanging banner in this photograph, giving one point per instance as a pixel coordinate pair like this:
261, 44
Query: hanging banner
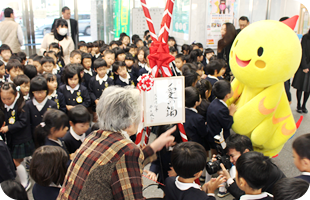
181, 17
220, 12
121, 17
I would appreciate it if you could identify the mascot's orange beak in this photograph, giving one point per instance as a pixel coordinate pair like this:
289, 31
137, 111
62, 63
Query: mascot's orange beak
291, 22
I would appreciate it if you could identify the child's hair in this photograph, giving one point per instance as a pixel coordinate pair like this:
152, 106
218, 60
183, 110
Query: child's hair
137, 40
74, 53
32, 56
14, 63
85, 55
100, 63
14, 56
47, 59
175, 42
52, 118
38, 59
20, 102
22, 56
199, 45
214, 65
132, 46
55, 45
194, 54
95, 44
188, 158
189, 66
301, 145
221, 88
51, 52
79, 114
30, 71
21, 79
135, 37
203, 85
95, 127
50, 77
191, 96
48, 165
71, 70
14, 189
191, 77
180, 56
90, 45
108, 51
82, 44
117, 65
208, 50
173, 50
129, 57
145, 50
118, 51
38, 83
290, 188
113, 42
256, 162
5, 47
103, 48
239, 142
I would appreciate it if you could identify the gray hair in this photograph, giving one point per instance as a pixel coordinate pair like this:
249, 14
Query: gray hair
118, 108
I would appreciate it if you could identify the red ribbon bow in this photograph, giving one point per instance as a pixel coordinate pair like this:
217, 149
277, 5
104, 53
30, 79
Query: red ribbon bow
160, 58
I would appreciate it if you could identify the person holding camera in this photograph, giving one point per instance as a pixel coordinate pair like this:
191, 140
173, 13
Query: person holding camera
236, 145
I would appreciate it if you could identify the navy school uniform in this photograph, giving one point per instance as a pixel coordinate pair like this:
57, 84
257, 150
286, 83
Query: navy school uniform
36, 116
134, 73
59, 99
305, 176
96, 89
195, 127
122, 82
174, 192
218, 118
19, 137
58, 143
74, 141
144, 70
212, 80
40, 192
59, 82
88, 74
79, 96
7, 167
110, 73
175, 71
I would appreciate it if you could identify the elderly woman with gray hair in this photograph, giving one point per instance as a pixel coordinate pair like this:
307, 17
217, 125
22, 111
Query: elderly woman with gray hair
108, 165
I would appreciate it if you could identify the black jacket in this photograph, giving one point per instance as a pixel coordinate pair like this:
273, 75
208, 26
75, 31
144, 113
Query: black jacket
74, 29
7, 167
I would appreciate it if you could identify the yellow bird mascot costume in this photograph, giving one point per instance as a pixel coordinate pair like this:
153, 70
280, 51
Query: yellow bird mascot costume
263, 56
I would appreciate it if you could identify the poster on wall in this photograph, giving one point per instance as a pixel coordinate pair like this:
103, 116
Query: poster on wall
220, 12
121, 16
180, 19
165, 102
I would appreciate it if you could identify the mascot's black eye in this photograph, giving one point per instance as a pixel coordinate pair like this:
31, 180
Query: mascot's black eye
260, 51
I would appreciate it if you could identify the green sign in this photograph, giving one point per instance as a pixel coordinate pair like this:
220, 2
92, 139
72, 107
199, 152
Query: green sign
121, 17
180, 16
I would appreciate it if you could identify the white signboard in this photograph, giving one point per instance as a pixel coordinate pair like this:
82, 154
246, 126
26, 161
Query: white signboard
165, 102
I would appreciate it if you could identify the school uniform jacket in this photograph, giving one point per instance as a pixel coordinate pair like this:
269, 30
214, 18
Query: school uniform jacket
63, 146
71, 99
195, 127
71, 143
305, 176
36, 116
19, 126
88, 76
118, 81
59, 99
134, 73
212, 80
218, 118
96, 89
7, 167
40, 192
262, 196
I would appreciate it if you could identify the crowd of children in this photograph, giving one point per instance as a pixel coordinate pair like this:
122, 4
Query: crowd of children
47, 109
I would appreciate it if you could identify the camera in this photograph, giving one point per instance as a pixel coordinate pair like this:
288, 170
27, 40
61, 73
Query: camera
213, 167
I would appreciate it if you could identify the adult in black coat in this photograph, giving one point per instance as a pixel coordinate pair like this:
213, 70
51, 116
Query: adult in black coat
72, 24
228, 32
301, 79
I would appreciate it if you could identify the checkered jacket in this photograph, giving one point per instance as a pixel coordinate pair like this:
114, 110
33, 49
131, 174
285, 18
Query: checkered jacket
106, 166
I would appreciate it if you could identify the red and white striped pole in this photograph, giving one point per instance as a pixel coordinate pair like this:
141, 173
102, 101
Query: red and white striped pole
149, 20
166, 22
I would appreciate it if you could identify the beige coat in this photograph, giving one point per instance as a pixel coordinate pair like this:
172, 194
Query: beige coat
67, 45
8, 34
